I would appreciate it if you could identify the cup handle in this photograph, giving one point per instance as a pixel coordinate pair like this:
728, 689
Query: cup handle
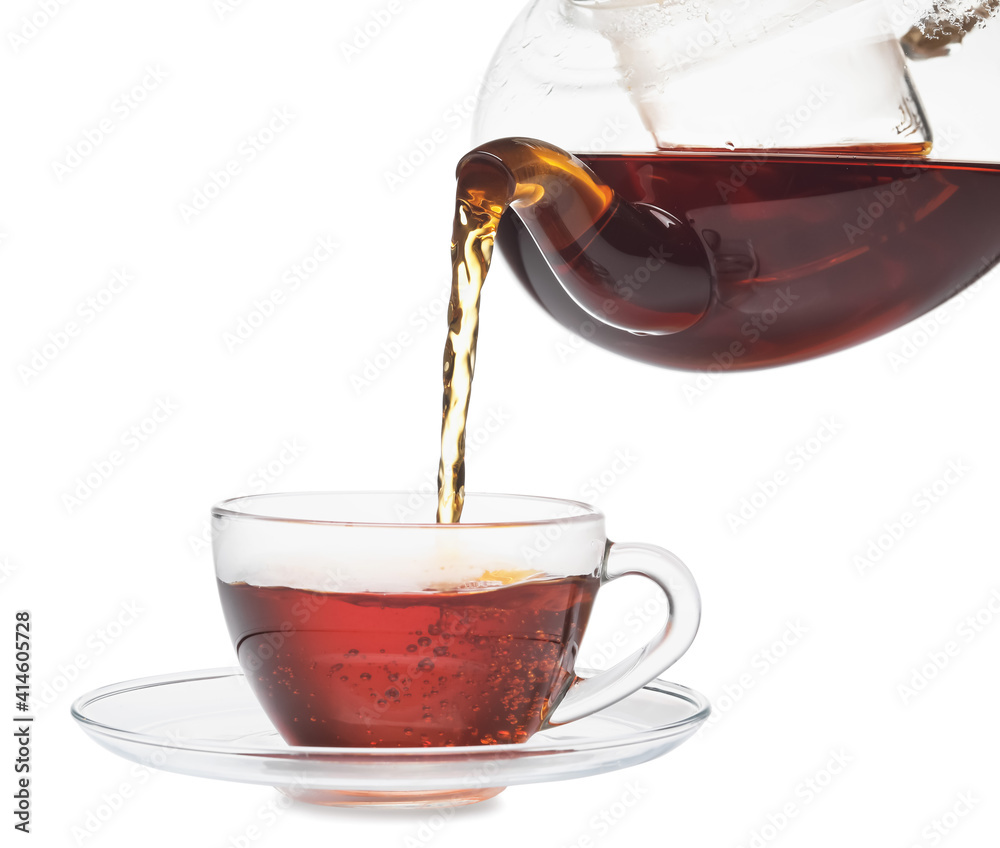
590, 694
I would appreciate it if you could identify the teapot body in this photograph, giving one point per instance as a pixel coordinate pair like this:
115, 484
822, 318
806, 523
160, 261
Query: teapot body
787, 135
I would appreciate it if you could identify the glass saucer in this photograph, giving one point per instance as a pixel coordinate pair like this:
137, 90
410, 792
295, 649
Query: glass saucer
208, 724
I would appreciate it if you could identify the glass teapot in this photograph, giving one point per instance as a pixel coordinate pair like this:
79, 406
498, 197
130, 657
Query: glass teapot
749, 182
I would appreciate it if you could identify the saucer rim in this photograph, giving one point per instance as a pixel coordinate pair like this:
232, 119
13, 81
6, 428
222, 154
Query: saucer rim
698, 701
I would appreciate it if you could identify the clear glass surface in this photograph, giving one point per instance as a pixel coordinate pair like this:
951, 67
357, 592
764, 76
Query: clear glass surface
643, 75
380, 561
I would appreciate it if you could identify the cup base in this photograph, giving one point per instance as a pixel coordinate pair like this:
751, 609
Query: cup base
423, 798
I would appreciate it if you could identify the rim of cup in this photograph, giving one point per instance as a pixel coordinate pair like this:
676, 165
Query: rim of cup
578, 512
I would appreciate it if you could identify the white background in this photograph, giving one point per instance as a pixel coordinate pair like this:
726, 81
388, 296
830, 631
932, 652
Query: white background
135, 538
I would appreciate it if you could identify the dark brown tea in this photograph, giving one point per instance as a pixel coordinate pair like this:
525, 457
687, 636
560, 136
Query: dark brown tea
806, 254
415, 669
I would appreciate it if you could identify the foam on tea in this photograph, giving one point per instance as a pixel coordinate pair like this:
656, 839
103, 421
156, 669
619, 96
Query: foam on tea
334, 573
336, 558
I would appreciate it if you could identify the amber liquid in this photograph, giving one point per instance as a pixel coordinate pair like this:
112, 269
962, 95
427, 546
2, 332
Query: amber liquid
475, 227
409, 669
808, 254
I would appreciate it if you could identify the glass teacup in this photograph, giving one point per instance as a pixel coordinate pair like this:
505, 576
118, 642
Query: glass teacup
358, 623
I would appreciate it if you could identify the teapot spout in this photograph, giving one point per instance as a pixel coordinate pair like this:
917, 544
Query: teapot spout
630, 266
